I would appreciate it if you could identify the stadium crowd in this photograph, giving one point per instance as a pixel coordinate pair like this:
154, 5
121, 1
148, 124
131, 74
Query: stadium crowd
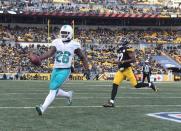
174, 52
93, 7
15, 59
98, 35
99, 44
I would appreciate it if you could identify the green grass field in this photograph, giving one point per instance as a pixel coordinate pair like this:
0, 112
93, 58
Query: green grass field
18, 99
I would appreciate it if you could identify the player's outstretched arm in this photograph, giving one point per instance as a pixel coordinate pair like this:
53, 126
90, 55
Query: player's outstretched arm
83, 58
36, 60
49, 53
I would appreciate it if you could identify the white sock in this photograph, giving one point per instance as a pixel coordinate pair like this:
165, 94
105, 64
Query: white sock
149, 84
49, 99
112, 101
63, 93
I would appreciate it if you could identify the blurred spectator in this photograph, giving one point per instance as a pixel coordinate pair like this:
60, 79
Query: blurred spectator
93, 6
99, 44
100, 36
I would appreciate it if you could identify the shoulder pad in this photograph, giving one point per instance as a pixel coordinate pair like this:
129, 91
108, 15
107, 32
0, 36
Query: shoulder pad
76, 44
129, 48
55, 42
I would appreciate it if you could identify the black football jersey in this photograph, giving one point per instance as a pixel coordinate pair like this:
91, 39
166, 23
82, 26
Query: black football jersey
123, 55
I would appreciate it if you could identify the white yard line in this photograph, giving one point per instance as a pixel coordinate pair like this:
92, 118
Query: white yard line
94, 97
99, 92
123, 106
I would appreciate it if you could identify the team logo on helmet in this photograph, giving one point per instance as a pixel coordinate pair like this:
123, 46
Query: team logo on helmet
66, 33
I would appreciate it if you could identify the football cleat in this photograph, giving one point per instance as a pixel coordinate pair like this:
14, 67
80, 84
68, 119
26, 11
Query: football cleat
109, 104
70, 97
39, 110
153, 86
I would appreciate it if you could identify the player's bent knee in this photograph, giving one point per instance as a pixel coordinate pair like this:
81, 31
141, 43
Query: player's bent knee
134, 85
137, 86
115, 85
52, 93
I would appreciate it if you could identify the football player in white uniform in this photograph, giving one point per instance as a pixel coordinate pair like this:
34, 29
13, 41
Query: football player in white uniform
64, 49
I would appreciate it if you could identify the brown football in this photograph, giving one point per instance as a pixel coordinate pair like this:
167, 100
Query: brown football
35, 59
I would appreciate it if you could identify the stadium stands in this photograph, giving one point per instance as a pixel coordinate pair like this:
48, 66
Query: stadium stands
14, 59
174, 52
99, 44
93, 6
96, 41
99, 35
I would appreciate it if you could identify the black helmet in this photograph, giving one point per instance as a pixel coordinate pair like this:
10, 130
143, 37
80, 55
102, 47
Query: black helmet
124, 42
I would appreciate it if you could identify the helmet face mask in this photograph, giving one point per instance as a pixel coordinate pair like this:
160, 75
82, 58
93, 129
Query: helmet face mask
66, 33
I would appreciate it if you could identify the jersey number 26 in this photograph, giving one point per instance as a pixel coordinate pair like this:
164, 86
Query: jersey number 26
62, 57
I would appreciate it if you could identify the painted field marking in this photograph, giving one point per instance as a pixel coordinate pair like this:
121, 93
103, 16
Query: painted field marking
124, 106
171, 116
87, 92
94, 97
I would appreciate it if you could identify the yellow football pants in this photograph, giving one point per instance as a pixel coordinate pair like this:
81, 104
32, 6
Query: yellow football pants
127, 73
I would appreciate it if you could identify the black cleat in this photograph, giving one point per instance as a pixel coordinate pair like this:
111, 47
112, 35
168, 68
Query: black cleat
38, 109
153, 86
109, 104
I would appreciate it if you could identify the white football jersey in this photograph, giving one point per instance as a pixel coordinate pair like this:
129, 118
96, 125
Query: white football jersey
64, 53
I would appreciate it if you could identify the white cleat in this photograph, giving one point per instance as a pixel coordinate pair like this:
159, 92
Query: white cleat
70, 97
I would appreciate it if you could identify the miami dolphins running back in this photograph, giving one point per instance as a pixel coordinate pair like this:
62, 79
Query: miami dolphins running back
64, 49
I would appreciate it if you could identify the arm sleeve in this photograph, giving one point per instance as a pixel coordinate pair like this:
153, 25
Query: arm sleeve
54, 43
77, 45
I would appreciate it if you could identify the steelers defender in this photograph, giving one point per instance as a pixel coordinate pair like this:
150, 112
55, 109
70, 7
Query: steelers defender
126, 56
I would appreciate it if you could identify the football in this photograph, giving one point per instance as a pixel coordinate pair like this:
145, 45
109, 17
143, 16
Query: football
35, 59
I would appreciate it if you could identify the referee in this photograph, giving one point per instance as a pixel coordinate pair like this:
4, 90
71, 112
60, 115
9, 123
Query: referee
146, 71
